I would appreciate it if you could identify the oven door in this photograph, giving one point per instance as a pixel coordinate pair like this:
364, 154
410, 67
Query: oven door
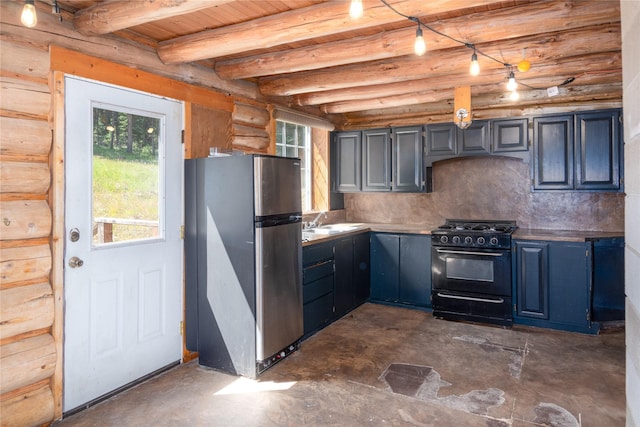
471, 271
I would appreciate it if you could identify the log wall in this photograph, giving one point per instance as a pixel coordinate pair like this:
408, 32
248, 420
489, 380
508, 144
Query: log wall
27, 347
32, 180
252, 127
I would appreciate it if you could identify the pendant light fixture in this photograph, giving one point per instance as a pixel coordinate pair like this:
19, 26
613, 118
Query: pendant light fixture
419, 46
29, 18
474, 69
356, 9
462, 107
511, 82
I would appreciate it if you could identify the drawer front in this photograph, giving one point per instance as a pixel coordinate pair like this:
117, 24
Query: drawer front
313, 254
317, 288
318, 313
317, 271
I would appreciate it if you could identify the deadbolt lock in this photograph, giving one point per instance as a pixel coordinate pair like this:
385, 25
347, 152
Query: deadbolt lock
75, 262
74, 235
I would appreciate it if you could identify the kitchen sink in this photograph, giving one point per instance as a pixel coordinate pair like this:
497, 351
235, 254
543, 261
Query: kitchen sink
325, 230
331, 229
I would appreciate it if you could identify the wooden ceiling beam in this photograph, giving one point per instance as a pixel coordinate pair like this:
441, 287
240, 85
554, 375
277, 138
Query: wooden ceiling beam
437, 89
540, 49
536, 78
113, 15
319, 20
519, 21
489, 105
435, 96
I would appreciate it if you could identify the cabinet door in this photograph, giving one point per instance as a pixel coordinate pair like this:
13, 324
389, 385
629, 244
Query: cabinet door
415, 270
361, 267
385, 251
553, 152
598, 151
474, 139
570, 283
344, 293
407, 159
509, 135
376, 146
532, 285
441, 139
347, 160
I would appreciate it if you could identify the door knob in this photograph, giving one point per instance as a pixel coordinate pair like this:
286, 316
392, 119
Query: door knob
75, 262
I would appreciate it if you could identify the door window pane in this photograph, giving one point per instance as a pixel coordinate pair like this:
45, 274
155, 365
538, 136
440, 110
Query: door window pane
126, 190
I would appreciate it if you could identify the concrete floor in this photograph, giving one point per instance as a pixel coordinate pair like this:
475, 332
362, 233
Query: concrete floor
390, 366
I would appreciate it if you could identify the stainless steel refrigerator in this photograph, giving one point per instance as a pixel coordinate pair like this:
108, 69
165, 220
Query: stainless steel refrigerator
243, 261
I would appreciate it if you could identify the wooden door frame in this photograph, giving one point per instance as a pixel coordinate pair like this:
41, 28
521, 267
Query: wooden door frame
66, 62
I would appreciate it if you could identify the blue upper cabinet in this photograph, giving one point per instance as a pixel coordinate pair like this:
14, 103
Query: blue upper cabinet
347, 160
378, 160
510, 135
446, 140
441, 140
553, 153
597, 151
578, 152
474, 139
376, 164
407, 159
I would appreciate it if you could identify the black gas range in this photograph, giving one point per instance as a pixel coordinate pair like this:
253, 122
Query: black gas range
471, 271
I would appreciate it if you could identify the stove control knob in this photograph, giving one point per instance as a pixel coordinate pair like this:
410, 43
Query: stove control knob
444, 239
456, 239
468, 240
494, 241
480, 240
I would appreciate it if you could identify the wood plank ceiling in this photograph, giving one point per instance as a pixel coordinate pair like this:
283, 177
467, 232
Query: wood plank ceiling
310, 55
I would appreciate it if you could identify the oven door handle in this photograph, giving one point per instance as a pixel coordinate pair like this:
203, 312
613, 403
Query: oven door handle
494, 301
444, 251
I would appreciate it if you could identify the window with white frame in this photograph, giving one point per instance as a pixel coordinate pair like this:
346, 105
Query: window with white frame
294, 140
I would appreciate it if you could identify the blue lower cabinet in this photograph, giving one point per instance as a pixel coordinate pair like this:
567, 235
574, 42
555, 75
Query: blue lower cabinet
335, 279
317, 286
401, 269
608, 280
345, 290
552, 286
385, 267
361, 268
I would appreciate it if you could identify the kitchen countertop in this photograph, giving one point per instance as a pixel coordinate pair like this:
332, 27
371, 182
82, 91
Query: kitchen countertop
563, 235
519, 234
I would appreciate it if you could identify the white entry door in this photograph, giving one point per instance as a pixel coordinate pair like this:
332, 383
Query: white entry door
123, 249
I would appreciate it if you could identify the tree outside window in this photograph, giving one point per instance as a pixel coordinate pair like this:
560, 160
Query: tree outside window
294, 140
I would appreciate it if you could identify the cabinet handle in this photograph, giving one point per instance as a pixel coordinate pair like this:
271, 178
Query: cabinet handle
494, 301
443, 251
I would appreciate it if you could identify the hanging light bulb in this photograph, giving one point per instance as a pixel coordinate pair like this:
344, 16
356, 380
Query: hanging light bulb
511, 83
356, 10
514, 95
29, 18
474, 69
419, 47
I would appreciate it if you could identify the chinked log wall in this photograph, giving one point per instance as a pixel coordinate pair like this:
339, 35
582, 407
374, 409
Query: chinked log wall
30, 233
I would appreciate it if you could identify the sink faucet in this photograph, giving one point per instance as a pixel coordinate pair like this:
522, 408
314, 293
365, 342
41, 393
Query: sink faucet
315, 223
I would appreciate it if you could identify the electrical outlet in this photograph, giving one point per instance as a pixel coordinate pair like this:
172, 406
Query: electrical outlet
553, 91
